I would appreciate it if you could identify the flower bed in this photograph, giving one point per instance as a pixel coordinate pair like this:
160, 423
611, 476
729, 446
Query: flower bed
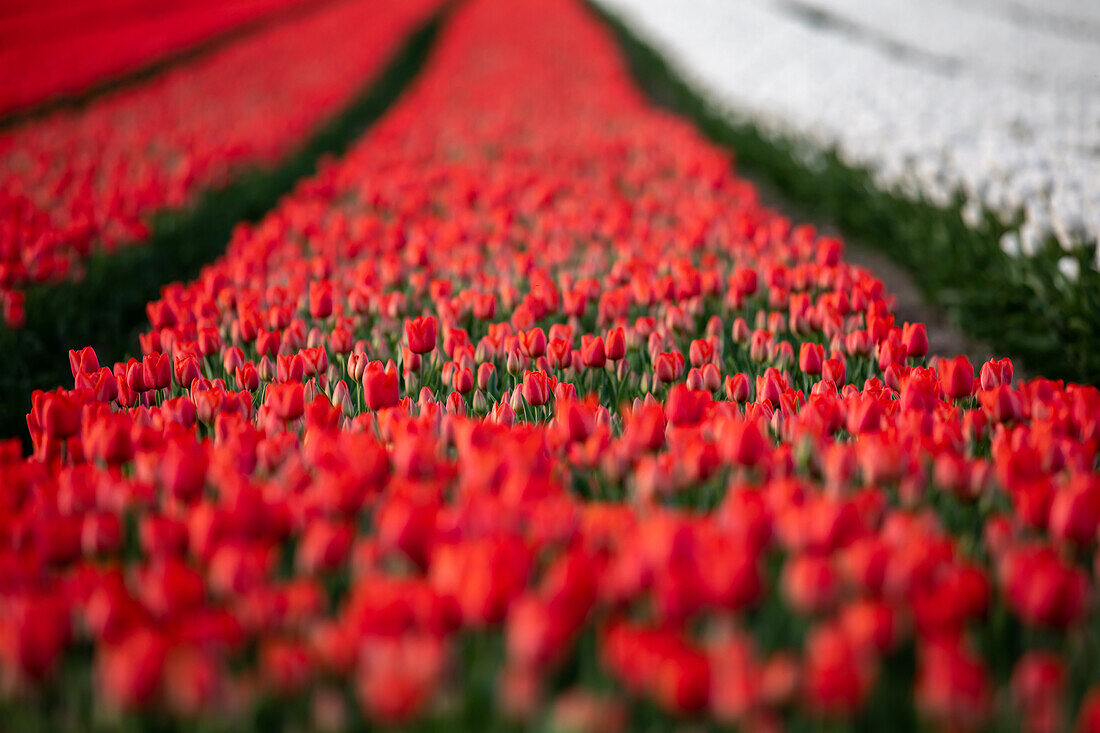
81, 182
63, 48
96, 311
937, 100
1043, 308
527, 412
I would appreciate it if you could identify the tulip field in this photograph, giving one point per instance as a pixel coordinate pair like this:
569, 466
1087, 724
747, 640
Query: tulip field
958, 137
519, 411
74, 181
53, 48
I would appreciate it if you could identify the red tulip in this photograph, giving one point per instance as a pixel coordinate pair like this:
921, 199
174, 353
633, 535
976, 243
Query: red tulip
1075, 511
834, 370
739, 332
686, 406
483, 576
956, 377
191, 681
1038, 686
421, 334
536, 388
811, 357
290, 368
380, 386
287, 400
668, 367
58, 414
247, 377
533, 343
33, 634
744, 442
83, 361
615, 343
712, 378
701, 351
320, 299
737, 388
135, 376
157, 371
484, 306
592, 352
914, 338
324, 547
187, 370
561, 353
837, 677
486, 375
1088, 717
463, 380
14, 309
995, 373
129, 673
952, 686
1041, 589
535, 634
399, 676
809, 583
357, 366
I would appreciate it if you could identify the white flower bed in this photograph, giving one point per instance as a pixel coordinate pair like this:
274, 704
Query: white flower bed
998, 99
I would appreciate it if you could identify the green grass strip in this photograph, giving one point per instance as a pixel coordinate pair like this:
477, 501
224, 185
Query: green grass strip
107, 308
1023, 307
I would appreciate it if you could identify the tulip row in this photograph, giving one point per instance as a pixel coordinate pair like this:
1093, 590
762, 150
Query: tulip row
97, 311
85, 182
527, 412
61, 48
1043, 308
